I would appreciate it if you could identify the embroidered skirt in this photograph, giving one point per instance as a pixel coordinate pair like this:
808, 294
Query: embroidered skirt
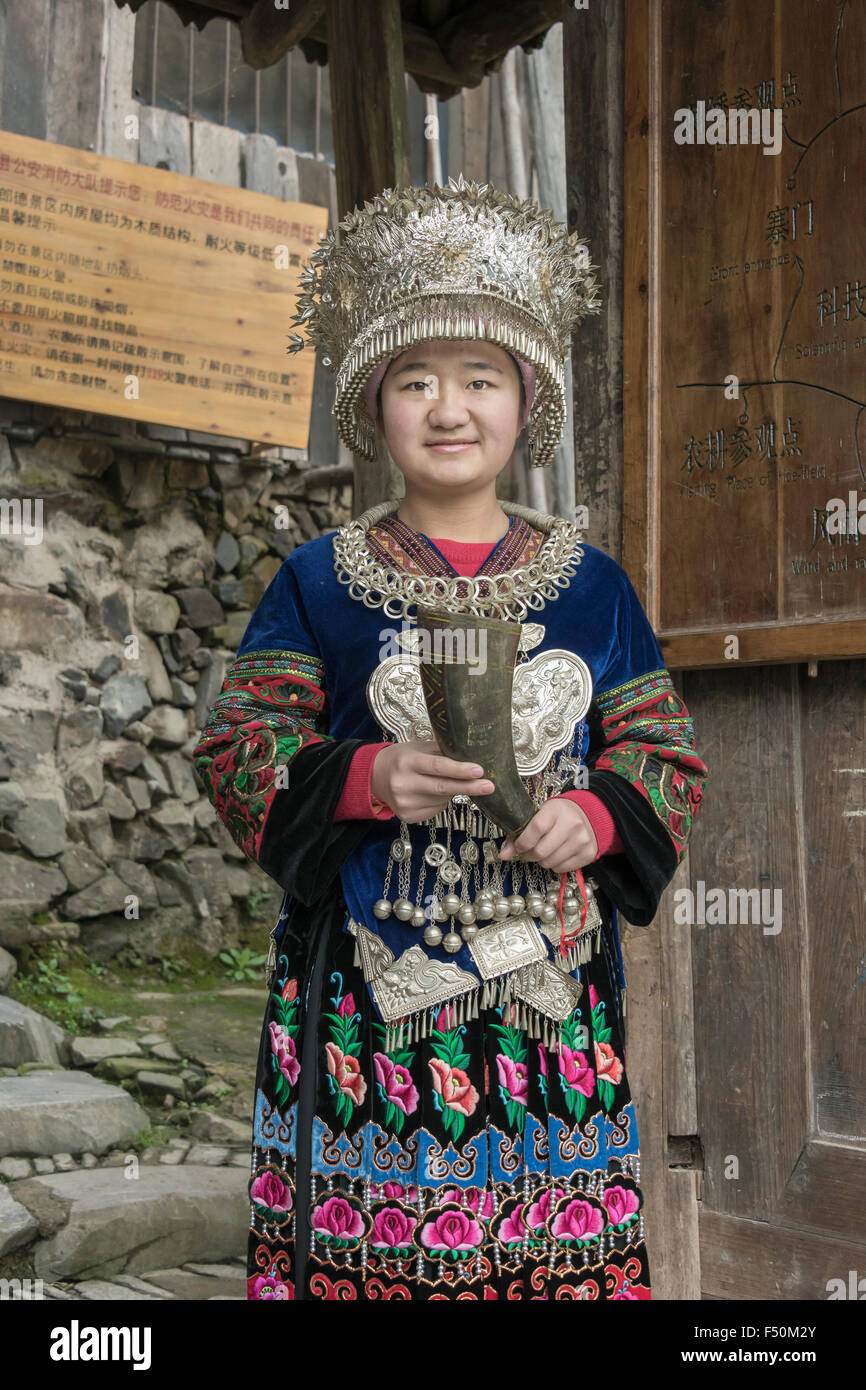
472, 1164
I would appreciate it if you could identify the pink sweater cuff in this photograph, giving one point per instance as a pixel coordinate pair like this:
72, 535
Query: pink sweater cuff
355, 802
599, 817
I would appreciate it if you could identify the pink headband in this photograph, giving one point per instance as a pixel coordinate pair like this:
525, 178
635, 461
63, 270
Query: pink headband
527, 371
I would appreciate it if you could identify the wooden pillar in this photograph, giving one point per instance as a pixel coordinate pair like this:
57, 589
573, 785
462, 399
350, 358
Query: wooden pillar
593, 48
370, 128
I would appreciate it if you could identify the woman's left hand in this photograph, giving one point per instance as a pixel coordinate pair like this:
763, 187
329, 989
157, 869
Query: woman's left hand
559, 837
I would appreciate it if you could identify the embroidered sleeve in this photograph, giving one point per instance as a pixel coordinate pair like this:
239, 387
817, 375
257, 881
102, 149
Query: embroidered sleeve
643, 765
270, 769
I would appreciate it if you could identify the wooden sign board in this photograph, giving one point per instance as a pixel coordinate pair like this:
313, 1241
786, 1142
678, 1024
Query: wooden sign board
745, 432
137, 292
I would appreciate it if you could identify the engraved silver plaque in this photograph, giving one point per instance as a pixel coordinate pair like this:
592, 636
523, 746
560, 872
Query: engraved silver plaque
507, 945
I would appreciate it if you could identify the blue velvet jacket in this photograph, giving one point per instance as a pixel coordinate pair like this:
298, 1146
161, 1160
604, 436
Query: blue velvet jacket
295, 700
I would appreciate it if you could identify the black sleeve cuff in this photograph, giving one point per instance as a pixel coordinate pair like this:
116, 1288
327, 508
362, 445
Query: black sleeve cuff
634, 881
302, 847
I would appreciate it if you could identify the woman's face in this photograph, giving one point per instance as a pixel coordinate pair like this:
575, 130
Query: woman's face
468, 391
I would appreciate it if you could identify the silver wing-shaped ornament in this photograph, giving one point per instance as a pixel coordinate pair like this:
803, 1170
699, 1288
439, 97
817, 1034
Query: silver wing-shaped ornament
550, 693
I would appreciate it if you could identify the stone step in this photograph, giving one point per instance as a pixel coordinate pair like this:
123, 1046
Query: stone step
105, 1290
27, 1036
186, 1284
97, 1223
17, 1226
72, 1112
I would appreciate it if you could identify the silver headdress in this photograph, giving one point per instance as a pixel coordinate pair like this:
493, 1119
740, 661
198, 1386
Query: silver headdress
463, 261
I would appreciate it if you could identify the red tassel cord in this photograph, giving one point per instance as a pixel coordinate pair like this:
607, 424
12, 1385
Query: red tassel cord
566, 939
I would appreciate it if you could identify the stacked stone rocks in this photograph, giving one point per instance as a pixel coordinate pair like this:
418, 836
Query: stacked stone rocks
116, 628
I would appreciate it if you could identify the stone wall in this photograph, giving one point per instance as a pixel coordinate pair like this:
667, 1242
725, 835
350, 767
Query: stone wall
116, 630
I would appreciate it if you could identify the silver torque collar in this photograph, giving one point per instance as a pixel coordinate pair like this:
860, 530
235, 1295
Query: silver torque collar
508, 596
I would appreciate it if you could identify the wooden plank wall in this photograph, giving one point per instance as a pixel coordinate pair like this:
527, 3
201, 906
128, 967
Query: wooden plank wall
71, 82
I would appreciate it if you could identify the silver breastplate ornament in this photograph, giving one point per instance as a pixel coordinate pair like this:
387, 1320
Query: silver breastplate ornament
460, 900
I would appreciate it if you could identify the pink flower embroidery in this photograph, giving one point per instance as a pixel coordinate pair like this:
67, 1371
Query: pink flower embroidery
593, 996
542, 1059
289, 991
456, 1232
454, 1086
512, 1228
512, 1076
267, 1287
607, 1064
621, 1202
338, 1219
576, 1071
536, 1217
267, 1190
580, 1221
284, 1050
477, 1199
396, 1082
347, 1006
346, 1071
393, 1191
392, 1229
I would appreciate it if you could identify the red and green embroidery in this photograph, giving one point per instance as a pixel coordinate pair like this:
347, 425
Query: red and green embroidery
454, 1095
512, 1072
609, 1068
253, 732
576, 1076
284, 1028
394, 1086
345, 1079
649, 741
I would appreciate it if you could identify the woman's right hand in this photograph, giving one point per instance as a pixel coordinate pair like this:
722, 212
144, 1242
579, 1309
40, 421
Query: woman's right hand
417, 781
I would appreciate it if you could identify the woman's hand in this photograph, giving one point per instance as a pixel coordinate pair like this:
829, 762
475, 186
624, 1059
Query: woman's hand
417, 781
559, 837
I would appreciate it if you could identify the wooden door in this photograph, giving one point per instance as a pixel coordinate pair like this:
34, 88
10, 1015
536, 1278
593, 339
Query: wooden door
752, 1092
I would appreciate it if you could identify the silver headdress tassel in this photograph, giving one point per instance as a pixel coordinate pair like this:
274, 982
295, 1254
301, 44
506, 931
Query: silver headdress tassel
463, 261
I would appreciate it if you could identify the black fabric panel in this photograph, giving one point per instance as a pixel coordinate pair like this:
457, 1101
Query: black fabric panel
301, 846
634, 881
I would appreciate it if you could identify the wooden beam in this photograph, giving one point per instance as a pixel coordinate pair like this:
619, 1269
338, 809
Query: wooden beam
761, 644
267, 34
482, 34
371, 143
424, 60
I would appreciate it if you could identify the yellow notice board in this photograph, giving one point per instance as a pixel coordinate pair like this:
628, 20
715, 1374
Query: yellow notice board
137, 292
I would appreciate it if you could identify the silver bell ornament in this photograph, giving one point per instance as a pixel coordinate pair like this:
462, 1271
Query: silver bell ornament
483, 908
452, 943
451, 903
548, 913
432, 935
466, 913
419, 917
403, 909
501, 910
382, 909
516, 903
468, 931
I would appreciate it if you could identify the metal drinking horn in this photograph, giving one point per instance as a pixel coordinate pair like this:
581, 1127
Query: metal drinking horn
467, 672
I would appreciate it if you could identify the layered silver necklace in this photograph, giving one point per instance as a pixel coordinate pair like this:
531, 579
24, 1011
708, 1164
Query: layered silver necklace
498, 928
508, 596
